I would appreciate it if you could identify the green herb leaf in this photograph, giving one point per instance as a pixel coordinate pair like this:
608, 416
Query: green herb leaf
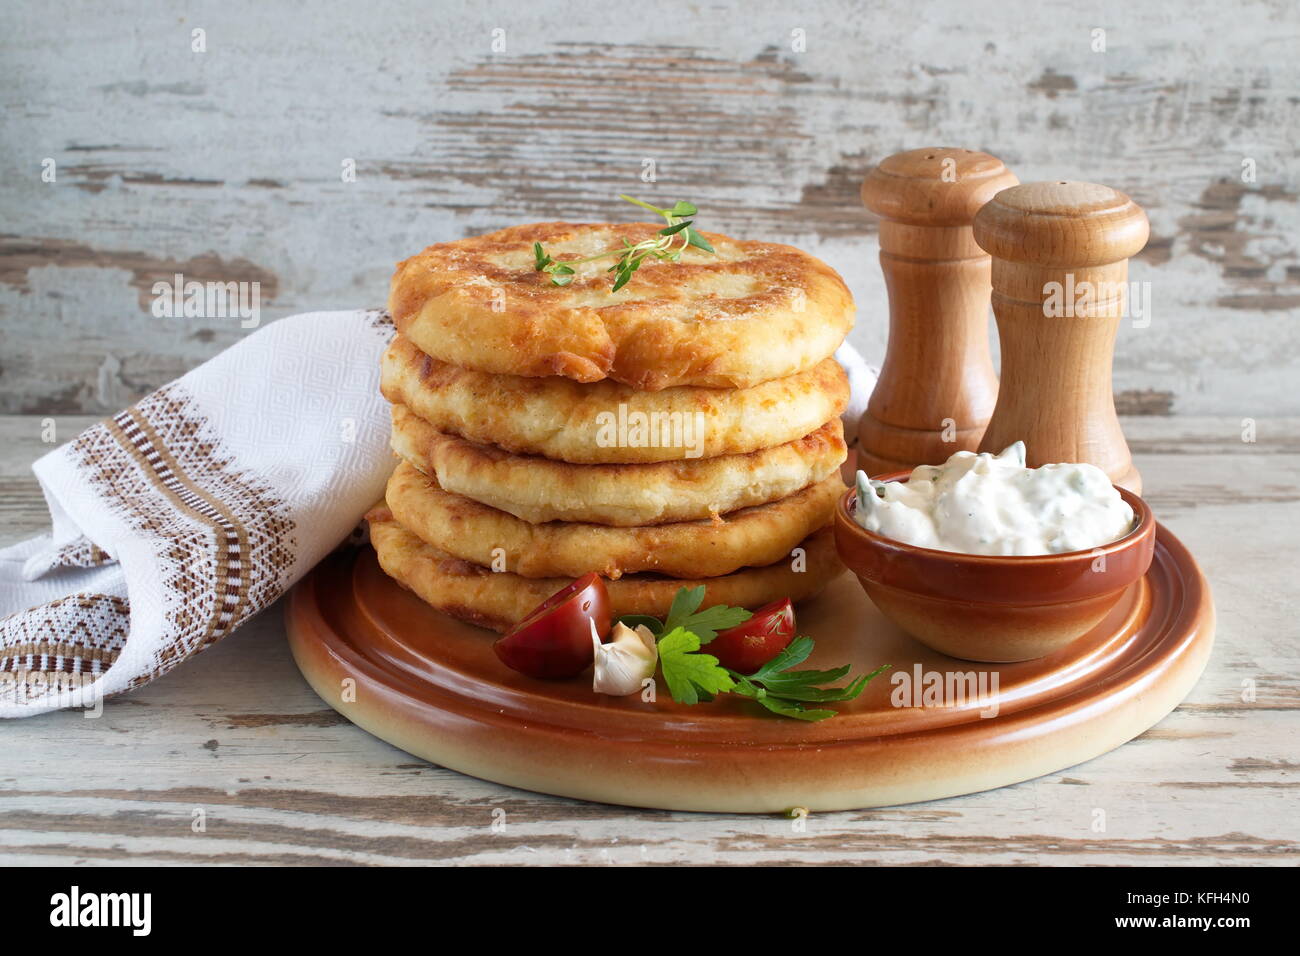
631, 256
720, 617
687, 673
779, 705
704, 624
794, 678
785, 708
796, 652
809, 692
693, 238
644, 205
784, 691
685, 603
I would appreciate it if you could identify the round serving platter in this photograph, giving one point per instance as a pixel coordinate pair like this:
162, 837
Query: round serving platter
931, 726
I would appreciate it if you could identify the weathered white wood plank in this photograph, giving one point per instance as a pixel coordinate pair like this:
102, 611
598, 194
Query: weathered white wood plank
280, 778
227, 164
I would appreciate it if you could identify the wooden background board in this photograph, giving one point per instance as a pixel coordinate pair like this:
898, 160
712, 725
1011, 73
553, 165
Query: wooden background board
225, 165
279, 777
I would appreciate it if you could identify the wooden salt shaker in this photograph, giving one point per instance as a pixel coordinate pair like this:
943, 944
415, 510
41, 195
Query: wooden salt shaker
937, 387
1060, 281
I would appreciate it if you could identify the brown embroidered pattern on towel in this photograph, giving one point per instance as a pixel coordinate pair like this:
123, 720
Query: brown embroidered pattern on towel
156, 464
67, 642
81, 553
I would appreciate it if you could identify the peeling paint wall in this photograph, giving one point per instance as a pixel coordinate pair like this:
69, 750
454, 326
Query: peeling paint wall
225, 165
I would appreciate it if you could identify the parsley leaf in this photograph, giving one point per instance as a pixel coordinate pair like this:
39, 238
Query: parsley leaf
690, 675
685, 613
796, 652
779, 705
785, 691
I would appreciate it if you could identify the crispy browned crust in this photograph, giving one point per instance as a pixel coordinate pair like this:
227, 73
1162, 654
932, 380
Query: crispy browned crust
707, 548
752, 312
560, 419
499, 600
539, 489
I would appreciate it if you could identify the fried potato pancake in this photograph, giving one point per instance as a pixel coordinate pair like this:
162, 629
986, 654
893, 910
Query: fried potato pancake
499, 600
568, 421
538, 489
474, 532
749, 313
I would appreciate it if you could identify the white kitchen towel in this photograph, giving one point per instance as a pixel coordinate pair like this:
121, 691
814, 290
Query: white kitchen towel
179, 518
862, 379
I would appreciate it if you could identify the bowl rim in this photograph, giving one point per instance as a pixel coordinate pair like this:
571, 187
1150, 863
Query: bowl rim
1144, 521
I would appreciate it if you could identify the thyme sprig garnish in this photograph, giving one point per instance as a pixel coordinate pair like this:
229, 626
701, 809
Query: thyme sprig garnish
630, 256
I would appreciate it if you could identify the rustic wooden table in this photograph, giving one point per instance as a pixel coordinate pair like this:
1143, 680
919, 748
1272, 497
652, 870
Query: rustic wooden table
237, 741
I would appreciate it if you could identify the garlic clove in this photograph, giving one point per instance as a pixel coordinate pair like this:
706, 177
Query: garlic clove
622, 664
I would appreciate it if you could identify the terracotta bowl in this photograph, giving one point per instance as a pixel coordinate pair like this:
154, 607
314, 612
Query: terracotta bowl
993, 608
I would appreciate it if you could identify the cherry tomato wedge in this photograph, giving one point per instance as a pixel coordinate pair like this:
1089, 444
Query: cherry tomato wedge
554, 641
747, 647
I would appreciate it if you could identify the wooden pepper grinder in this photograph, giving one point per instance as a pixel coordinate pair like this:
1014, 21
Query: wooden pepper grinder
937, 387
1060, 282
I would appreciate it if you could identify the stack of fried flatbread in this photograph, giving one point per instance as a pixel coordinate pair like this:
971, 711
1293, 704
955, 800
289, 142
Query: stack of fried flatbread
682, 430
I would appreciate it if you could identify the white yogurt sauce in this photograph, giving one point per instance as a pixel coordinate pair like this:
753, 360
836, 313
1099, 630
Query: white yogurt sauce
993, 504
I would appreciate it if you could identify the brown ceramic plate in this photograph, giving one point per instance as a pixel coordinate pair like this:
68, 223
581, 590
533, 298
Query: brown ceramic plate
433, 687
